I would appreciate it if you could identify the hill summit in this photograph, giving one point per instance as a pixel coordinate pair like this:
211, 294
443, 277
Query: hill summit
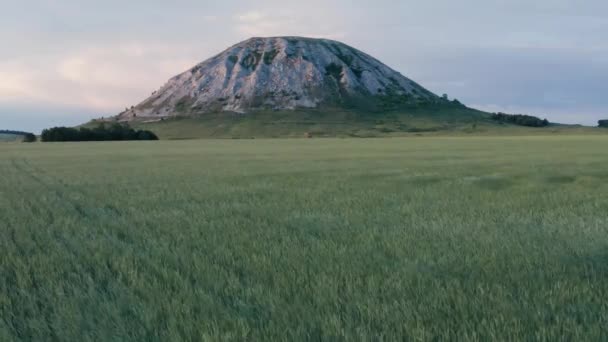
281, 73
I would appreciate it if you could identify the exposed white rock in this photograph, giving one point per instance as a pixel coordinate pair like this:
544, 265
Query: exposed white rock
277, 73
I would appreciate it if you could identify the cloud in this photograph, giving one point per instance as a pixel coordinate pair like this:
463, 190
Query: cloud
545, 56
15, 81
210, 18
251, 16
259, 23
103, 78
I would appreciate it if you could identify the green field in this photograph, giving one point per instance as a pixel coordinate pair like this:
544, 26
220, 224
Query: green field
10, 137
421, 238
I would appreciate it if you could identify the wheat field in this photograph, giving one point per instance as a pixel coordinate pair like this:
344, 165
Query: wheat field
430, 238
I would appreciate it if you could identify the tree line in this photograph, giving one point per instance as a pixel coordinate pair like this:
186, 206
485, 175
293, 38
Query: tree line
8, 131
102, 132
602, 123
520, 119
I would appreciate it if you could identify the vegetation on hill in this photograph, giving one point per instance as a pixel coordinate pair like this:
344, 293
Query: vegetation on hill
382, 116
323, 122
430, 239
428, 119
102, 132
602, 123
520, 119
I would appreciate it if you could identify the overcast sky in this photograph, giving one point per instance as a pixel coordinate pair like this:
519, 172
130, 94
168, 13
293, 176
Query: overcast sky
63, 62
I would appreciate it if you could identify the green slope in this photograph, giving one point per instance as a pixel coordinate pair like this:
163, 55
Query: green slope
326, 122
435, 119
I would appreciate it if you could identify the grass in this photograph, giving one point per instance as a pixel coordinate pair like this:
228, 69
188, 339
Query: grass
10, 137
443, 120
434, 238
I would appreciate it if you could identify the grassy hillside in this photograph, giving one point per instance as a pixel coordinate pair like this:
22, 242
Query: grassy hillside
273, 126
331, 122
326, 122
477, 238
319, 123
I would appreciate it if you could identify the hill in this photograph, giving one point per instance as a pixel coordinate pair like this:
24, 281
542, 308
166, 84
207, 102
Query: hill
294, 86
327, 122
283, 73
305, 124
302, 87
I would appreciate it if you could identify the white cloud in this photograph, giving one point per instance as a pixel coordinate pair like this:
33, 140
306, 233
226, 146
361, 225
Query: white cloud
210, 18
72, 68
14, 81
259, 23
103, 78
251, 16
548, 54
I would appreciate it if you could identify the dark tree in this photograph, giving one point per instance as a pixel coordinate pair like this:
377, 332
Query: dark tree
602, 123
29, 138
102, 132
520, 119
146, 135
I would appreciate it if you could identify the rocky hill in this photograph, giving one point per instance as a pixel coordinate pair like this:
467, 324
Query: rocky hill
282, 73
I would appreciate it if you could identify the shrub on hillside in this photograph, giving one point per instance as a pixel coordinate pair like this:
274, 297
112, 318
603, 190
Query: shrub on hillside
146, 135
520, 119
113, 132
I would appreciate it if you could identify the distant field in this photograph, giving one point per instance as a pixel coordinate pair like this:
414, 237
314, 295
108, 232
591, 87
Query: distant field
10, 137
431, 238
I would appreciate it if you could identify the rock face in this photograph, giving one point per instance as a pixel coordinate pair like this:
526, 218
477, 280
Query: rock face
279, 73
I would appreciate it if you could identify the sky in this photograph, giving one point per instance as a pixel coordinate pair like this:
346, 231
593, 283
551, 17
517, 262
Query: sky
63, 62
